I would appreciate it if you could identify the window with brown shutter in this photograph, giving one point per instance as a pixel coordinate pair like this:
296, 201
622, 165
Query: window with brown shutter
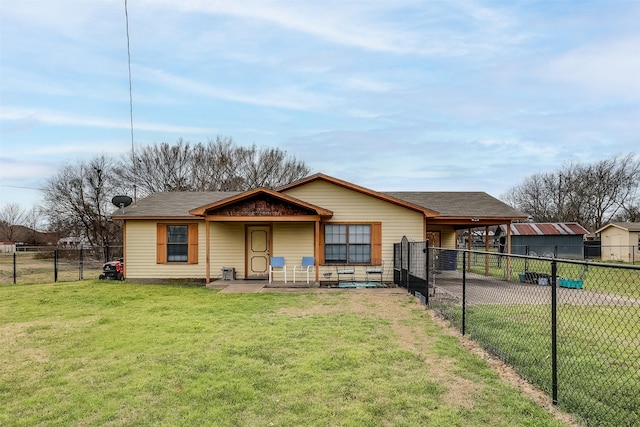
177, 243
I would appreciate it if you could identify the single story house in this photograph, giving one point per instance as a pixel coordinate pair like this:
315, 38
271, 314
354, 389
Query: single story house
560, 239
620, 241
7, 247
201, 235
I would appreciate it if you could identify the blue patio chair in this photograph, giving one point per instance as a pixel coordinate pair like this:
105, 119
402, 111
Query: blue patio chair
277, 265
308, 263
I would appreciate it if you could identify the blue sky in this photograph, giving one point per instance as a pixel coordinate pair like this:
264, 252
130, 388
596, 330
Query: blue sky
388, 94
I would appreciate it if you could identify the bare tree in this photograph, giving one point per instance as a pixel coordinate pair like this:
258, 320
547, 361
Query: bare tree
12, 220
77, 201
591, 194
271, 168
78, 198
218, 165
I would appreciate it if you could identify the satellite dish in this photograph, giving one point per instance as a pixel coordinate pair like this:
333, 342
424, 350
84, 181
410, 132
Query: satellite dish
122, 201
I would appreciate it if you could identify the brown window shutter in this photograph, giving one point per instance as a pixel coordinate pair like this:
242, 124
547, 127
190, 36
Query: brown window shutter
321, 239
161, 248
193, 244
376, 240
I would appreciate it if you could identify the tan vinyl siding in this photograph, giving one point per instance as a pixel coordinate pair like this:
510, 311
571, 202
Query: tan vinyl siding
141, 262
447, 235
292, 241
619, 245
352, 206
227, 248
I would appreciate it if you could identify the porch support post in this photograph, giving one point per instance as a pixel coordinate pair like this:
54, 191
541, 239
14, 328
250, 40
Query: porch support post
207, 226
469, 246
486, 249
316, 255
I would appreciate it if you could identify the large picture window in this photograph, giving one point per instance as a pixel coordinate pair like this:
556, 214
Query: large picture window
347, 243
177, 243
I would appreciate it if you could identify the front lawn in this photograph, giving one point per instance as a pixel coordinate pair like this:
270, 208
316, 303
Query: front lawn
111, 353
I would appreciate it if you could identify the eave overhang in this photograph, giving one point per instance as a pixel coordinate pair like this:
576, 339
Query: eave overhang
472, 222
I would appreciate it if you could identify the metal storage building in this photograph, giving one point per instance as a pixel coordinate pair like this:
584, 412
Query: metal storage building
559, 239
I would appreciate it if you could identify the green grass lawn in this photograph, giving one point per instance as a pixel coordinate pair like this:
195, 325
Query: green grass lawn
33, 267
111, 353
598, 354
604, 278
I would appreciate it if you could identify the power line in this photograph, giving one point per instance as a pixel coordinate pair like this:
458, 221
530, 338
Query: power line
126, 15
133, 153
17, 186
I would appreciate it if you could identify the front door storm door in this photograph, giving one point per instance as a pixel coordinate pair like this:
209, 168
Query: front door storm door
258, 251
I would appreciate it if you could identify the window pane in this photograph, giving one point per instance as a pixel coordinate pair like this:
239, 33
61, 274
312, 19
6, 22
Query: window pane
177, 253
360, 253
335, 253
359, 233
335, 233
177, 233
177, 243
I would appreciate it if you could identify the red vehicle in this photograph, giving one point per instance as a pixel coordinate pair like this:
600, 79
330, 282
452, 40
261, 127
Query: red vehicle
113, 270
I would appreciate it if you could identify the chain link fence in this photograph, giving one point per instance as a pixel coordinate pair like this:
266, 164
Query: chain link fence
31, 265
589, 250
570, 327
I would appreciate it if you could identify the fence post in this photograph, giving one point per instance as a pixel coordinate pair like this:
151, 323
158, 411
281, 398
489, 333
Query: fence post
15, 271
554, 332
80, 263
464, 292
426, 268
55, 265
409, 267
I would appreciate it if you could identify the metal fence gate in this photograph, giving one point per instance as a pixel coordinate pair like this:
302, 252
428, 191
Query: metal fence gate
410, 266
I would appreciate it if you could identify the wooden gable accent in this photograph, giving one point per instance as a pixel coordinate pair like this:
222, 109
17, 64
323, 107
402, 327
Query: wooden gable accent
261, 203
262, 206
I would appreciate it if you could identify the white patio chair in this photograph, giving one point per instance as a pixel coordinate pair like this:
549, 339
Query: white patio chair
277, 265
308, 263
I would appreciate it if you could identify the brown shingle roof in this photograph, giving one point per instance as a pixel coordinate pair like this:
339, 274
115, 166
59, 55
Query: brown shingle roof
459, 203
445, 203
171, 204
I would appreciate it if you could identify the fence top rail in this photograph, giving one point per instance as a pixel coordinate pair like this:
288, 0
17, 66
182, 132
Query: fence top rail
539, 257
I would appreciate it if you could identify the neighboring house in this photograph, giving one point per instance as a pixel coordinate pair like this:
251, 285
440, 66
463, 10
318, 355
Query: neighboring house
620, 241
7, 247
560, 239
72, 242
199, 235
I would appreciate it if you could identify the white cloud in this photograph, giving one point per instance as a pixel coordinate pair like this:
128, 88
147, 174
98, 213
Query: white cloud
611, 67
290, 97
56, 118
372, 25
